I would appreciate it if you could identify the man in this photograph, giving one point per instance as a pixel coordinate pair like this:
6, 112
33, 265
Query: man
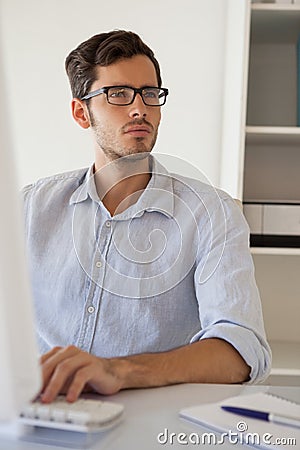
140, 278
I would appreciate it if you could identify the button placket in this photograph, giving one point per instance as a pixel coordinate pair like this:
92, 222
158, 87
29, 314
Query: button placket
96, 291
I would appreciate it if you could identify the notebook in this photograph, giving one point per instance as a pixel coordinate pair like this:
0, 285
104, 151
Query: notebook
243, 430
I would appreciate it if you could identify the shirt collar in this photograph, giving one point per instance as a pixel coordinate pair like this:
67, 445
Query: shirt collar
158, 195
86, 189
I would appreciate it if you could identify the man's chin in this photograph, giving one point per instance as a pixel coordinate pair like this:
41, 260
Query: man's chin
139, 155
139, 151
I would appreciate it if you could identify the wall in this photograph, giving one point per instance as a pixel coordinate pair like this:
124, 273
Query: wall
188, 39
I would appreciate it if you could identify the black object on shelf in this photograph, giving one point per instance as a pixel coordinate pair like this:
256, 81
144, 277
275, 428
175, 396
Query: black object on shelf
268, 240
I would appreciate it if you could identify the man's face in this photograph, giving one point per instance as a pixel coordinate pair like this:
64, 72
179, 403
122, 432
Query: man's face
124, 130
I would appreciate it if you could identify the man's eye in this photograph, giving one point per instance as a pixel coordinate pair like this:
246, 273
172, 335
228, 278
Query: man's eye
151, 94
120, 93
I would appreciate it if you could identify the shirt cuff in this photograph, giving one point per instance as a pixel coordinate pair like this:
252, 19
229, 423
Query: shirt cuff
253, 347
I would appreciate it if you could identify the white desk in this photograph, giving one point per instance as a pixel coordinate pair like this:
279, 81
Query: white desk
147, 413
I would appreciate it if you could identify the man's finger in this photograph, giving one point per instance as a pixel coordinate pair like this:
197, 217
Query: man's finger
54, 359
62, 374
81, 378
48, 355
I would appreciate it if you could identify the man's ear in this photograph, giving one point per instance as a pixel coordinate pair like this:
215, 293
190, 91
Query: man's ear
80, 113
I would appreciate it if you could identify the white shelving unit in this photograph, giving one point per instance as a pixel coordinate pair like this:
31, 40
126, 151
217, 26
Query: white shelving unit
272, 171
275, 251
262, 135
282, 356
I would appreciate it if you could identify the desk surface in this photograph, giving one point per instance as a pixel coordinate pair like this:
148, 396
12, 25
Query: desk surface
148, 412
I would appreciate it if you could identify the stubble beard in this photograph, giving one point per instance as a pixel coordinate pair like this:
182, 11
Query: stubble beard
111, 147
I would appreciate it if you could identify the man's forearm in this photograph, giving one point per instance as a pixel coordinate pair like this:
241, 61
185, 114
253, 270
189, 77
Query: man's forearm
71, 370
206, 361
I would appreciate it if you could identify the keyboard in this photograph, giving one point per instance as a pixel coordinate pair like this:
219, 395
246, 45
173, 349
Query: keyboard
84, 415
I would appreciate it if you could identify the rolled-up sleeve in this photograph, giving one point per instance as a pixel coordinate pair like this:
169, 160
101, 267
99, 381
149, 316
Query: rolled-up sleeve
228, 298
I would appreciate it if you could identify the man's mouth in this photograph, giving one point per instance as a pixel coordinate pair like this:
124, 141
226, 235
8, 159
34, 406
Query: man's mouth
138, 130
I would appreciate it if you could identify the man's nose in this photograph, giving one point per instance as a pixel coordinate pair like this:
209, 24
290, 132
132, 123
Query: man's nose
138, 107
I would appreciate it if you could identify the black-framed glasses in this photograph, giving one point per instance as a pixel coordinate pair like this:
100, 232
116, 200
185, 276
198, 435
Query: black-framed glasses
125, 95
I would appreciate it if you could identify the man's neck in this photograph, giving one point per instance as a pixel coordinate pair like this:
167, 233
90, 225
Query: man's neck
120, 183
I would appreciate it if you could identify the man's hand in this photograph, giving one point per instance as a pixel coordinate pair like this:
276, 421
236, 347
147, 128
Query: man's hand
71, 371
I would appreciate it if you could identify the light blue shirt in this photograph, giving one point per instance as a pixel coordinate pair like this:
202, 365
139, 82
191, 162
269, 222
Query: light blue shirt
172, 269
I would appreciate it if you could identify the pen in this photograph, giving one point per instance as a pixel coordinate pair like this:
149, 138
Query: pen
267, 416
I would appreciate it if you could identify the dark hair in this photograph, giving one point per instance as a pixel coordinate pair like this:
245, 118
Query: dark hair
102, 50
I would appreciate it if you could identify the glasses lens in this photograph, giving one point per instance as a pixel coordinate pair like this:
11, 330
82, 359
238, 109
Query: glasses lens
120, 95
154, 96
123, 95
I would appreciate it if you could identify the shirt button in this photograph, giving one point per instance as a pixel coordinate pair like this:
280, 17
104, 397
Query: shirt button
108, 224
91, 309
99, 264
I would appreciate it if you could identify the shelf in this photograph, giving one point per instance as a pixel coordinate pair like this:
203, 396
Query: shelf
271, 172
274, 7
280, 251
270, 135
286, 358
275, 23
